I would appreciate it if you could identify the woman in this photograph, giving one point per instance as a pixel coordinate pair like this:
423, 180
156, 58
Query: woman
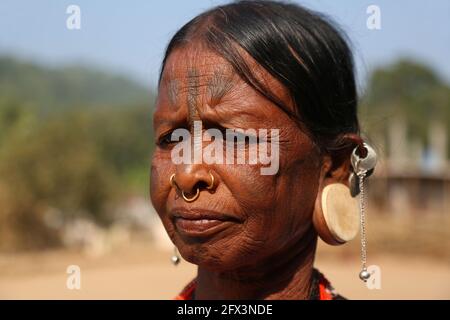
257, 65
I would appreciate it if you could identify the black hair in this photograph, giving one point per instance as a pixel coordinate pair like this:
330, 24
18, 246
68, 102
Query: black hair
302, 49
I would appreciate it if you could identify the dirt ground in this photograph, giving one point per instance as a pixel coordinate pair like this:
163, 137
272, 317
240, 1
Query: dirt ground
144, 272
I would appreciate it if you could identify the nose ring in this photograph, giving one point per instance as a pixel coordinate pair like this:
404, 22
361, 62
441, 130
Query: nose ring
172, 183
197, 192
211, 185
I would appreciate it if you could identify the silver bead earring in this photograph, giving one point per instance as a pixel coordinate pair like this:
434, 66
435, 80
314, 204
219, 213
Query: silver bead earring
362, 168
175, 257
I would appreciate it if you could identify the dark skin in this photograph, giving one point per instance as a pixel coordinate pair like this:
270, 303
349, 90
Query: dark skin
268, 250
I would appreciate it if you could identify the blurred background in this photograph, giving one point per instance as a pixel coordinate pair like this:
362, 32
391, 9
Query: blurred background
76, 142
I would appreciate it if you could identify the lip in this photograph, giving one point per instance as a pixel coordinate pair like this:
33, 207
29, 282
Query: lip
201, 222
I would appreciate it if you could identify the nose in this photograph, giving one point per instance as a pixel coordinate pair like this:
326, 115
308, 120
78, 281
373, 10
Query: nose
190, 179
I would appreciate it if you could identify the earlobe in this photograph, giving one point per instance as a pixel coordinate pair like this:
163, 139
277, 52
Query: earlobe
335, 216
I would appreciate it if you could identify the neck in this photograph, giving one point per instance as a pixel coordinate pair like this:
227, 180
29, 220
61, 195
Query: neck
287, 276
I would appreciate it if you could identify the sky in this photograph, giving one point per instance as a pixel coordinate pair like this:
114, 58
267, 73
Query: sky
129, 37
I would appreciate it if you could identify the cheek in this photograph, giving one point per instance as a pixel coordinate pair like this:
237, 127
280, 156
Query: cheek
296, 201
277, 207
295, 193
160, 190
251, 190
255, 196
159, 182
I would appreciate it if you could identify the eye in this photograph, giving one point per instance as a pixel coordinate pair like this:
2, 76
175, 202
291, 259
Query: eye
165, 140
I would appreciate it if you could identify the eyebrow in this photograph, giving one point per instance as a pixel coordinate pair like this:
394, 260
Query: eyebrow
218, 85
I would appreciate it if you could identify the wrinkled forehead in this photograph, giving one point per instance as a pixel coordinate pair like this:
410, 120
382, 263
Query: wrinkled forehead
194, 70
186, 63
196, 75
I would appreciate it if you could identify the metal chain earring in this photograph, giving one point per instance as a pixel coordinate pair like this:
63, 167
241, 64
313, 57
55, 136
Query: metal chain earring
362, 167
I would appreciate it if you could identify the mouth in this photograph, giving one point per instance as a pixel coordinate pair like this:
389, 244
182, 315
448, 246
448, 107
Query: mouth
201, 223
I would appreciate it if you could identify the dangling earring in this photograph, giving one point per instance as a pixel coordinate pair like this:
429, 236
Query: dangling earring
175, 257
362, 168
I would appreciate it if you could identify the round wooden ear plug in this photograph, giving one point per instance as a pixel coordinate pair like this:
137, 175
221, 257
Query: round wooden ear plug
337, 220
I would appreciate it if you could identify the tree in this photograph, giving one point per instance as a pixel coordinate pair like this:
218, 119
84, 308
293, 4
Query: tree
407, 90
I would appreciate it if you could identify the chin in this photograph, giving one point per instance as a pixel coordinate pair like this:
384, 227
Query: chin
211, 255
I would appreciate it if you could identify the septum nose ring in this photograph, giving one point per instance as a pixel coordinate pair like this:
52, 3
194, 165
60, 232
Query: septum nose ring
173, 183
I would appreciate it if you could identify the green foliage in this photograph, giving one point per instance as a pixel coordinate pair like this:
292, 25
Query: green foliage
64, 148
406, 90
124, 137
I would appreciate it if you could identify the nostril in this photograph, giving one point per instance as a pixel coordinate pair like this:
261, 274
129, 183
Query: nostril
206, 182
191, 179
202, 185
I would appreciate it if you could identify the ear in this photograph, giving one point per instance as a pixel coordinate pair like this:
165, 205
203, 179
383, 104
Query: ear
336, 167
335, 215
336, 164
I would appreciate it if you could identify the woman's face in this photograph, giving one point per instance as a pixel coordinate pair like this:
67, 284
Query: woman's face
259, 216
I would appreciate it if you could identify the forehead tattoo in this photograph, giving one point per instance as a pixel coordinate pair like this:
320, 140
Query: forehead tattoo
218, 86
193, 97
